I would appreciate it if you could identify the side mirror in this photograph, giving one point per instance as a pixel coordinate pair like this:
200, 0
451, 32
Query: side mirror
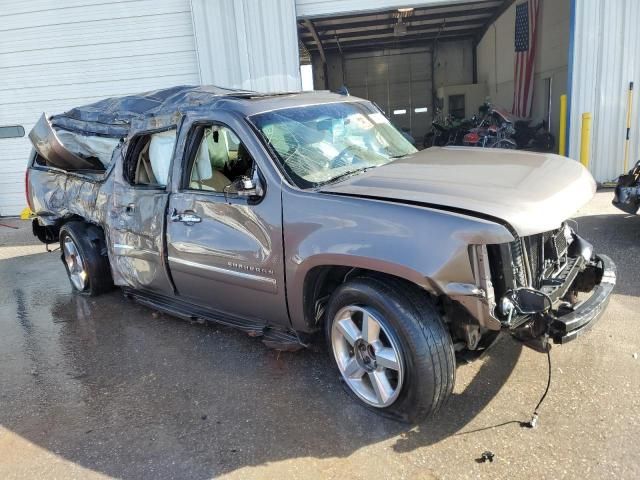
245, 187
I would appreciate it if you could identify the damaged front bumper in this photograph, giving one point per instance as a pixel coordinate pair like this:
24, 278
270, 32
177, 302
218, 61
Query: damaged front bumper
569, 326
561, 321
546, 305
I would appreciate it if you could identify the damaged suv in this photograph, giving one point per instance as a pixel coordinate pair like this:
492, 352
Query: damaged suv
289, 214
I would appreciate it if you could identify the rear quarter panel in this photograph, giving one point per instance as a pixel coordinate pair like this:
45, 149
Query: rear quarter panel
56, 194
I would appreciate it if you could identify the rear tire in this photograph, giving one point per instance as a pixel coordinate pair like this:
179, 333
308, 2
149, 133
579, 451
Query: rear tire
405, 369
84, 256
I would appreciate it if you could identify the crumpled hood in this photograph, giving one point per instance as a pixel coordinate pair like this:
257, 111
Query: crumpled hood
532, 192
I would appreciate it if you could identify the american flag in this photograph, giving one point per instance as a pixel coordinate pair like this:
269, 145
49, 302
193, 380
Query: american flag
525, 57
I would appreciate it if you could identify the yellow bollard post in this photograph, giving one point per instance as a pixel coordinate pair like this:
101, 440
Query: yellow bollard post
585, 139
26, 214
562, 134
626, 141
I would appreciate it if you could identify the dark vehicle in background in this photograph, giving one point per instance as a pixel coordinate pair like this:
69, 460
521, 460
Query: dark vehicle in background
627, 195
287, 215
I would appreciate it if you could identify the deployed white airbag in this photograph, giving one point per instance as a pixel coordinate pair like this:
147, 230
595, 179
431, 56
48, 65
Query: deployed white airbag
160, 153
203, 169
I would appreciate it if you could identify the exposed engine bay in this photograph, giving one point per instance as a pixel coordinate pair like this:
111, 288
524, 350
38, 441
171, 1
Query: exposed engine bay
537, 280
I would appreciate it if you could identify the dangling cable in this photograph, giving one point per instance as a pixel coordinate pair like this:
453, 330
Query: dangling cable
534, 418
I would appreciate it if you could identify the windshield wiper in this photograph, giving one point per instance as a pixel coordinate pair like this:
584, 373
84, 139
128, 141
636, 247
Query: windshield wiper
344, 175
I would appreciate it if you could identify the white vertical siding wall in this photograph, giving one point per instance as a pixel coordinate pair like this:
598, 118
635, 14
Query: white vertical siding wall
57, 54
605, 59
247, 44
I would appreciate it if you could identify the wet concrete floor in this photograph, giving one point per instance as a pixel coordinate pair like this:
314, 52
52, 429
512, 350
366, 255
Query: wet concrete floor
103, 387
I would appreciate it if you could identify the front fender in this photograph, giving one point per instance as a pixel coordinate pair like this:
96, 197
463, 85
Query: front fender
425, 246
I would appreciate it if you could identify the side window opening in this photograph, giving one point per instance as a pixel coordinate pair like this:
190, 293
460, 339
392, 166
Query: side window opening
150, 159
220, 159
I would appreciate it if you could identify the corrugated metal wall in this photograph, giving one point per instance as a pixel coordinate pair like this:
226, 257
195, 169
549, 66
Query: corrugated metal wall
55, 55
606, 58
247, 44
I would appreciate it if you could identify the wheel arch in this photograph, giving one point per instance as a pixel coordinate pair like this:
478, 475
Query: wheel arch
94, 231
49, 232
320, 279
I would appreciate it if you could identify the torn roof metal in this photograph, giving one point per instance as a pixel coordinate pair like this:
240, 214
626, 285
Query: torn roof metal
114, 117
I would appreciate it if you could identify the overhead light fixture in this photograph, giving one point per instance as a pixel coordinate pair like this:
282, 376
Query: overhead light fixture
405, 10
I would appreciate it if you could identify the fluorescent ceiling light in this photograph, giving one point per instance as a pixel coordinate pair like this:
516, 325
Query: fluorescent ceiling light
400, 112
421, 109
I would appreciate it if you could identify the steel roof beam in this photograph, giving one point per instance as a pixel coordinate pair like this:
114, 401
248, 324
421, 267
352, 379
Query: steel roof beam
497, 14
348, 46
484, 12
476, 23
417, 11
309, 24
375, 36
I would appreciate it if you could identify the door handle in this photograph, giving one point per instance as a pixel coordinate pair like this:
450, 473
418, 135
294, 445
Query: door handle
187, 217
130, 209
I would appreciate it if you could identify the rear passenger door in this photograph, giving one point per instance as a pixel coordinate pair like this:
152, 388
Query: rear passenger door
225, 249
137, 211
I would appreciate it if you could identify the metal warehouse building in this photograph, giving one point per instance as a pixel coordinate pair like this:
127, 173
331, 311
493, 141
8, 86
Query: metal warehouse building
404, 55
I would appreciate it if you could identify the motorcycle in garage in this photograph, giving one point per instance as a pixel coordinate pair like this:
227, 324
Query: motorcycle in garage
448, 130
495, 130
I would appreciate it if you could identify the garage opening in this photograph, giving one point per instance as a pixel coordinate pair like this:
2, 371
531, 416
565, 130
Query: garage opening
441, 61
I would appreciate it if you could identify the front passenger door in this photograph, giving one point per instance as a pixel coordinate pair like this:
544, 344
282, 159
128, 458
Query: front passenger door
225, 250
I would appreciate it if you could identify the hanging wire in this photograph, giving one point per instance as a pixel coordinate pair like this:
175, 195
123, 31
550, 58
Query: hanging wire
534, 419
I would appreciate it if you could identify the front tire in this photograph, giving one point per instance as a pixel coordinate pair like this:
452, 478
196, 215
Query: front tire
391, 348
85, 259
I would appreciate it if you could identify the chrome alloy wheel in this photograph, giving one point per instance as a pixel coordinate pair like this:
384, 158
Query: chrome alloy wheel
73, 259
368, 357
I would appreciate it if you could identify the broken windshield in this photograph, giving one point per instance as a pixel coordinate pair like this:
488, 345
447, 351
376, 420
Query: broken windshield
318, 144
